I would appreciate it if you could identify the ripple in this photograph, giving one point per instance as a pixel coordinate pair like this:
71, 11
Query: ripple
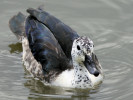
117, 82
114, 50
108, 22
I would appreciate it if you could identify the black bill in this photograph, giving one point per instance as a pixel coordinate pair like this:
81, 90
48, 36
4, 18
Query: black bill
91, 65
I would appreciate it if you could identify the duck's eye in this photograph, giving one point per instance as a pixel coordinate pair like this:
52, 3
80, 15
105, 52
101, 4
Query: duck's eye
78, 47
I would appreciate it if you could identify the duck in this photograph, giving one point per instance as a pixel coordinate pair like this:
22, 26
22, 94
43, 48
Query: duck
54, 53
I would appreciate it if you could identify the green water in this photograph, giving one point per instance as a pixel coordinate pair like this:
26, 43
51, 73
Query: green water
109, 23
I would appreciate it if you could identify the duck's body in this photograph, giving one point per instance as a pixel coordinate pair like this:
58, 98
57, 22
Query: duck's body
56, 54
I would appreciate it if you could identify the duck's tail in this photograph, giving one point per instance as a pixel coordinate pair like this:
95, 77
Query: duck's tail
16, 24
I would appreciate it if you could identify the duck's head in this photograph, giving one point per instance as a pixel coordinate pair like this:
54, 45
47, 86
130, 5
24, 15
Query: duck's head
83, 53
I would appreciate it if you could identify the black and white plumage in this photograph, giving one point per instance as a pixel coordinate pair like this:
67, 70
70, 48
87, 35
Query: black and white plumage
55, 53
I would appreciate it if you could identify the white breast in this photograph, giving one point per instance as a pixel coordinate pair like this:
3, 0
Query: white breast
64, 79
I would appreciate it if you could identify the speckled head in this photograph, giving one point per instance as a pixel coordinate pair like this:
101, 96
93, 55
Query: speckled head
86, 44
82, 46
83, 53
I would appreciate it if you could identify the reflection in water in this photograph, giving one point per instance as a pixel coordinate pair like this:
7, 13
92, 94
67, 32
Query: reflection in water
15, 48
39, 91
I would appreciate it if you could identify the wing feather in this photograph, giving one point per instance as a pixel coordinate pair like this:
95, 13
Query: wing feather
45, 48
62, 32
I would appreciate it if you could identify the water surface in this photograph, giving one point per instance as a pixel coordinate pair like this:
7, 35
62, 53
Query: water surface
109, 23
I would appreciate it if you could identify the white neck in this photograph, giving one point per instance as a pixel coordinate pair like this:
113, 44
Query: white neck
81, 76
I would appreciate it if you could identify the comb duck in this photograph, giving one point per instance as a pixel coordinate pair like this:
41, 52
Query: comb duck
54, 53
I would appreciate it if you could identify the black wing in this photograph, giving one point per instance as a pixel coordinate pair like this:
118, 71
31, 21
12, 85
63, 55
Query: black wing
45, 48
63, 33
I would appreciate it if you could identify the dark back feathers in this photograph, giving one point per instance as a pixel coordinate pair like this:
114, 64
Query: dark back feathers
45, 48
63, 33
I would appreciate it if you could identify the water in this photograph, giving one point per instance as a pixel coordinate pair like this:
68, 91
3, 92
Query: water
109, 23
